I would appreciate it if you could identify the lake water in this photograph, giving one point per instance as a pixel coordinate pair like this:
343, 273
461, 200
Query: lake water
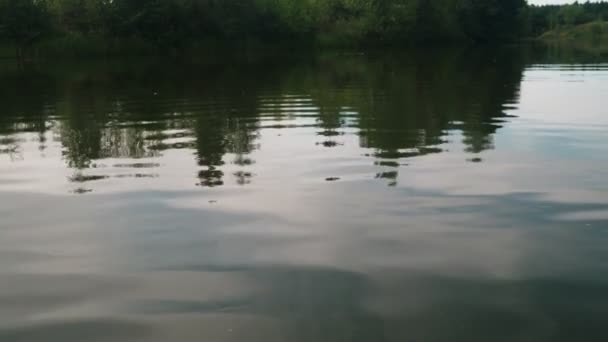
435, 195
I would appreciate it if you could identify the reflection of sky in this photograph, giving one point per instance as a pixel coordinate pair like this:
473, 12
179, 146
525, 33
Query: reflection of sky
559, 114
516, 239
564, 95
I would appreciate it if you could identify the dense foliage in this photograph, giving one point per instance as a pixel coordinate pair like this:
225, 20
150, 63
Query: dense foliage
176, 22
541, 19
24, 22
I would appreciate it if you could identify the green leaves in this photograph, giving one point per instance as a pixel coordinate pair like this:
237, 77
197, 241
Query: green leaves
24, 21
174, 23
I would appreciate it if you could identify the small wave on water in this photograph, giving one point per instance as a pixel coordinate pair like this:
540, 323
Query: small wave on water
364, 197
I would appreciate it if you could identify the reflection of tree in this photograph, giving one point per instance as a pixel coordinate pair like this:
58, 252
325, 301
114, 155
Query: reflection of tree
415, 100
210, 141
10, 146
330, 119
87, 134
407, 102
230, 129
211, 177
81, 144
124, 143
242, 136
22, 110
402, 104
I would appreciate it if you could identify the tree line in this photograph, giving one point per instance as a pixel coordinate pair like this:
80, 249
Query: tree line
178, 23
541, 19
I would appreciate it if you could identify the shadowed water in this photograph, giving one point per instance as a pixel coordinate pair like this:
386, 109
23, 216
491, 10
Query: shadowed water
436, 195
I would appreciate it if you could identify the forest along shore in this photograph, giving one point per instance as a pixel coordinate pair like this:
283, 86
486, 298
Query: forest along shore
101, 27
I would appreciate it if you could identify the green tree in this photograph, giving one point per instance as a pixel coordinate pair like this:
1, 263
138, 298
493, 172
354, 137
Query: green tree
491, 20
571, 14
23, 23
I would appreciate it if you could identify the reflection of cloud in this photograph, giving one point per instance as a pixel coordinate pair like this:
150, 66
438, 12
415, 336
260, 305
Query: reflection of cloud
309, 264
314, 248
97, 330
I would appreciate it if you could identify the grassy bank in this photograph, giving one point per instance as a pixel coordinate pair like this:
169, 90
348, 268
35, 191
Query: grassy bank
596, 31
591, 37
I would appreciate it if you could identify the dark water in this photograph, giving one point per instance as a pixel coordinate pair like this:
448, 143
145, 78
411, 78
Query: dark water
422, 196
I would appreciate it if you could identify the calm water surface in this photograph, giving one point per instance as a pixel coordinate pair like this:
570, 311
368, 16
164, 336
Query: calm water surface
427, 196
